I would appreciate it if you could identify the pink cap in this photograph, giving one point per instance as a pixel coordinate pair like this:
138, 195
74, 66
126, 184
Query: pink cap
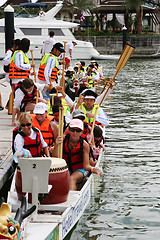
76, 123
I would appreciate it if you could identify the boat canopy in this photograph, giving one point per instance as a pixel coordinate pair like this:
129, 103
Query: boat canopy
33, 5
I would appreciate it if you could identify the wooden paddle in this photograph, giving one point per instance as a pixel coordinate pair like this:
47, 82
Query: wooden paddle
62, 79
35, 79
34, 70
11, 102
60, 132
93, 124
125, 55
52, 96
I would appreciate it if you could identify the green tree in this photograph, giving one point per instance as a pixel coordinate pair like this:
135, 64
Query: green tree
83, 5
136, 5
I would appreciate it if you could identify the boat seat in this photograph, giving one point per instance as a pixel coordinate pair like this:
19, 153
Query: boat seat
35, 173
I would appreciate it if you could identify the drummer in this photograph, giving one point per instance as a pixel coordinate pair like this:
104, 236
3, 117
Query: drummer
75, 152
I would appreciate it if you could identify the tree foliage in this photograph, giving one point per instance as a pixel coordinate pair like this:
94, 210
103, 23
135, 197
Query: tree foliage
83, 5
133, 4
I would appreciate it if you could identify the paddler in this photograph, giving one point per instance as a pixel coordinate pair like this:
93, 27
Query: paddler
59, 100
79, 114
20, 67
28, 137
86, 134
77, 104
75, 152
44, 123
48, 68
55, 112
25, 97
98, 141
91, 77
89, 106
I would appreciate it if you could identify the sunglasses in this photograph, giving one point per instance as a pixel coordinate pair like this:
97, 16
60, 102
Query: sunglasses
27, 124
75, 130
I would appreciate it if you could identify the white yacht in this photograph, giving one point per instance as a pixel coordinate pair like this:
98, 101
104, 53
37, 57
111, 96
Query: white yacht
37, 29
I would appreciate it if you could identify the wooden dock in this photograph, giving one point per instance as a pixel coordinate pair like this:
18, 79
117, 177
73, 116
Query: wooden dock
5, 136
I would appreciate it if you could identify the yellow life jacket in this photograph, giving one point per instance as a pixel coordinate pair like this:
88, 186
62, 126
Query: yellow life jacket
90, 120
64, 104
90, 81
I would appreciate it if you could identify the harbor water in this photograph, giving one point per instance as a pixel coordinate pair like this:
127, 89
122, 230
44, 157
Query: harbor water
126, 203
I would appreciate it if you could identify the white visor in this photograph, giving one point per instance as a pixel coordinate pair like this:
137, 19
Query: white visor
91, 97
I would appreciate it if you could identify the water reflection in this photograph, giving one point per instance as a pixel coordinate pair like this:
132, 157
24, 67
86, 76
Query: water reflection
127, 200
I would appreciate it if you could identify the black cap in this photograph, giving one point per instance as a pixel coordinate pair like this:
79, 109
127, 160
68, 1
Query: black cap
90, 94
58, 46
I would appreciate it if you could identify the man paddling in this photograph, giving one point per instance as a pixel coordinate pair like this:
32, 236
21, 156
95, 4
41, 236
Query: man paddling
75, 152
89, 106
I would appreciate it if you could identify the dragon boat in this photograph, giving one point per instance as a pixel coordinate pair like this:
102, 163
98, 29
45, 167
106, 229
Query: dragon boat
50, 220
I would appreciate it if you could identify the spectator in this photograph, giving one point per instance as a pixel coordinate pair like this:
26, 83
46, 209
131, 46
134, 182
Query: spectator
48, 44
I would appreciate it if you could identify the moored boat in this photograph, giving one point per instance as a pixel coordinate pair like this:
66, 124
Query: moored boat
37, 30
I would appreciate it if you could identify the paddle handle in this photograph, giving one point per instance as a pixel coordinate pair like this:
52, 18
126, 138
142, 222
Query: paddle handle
60, 132
11, 102
63, 80
34, 70
93, 124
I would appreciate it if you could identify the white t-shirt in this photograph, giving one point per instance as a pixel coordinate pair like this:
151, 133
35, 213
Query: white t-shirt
6, 61
48, 45
68, 47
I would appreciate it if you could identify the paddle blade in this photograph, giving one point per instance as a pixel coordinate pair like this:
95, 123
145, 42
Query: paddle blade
127, 52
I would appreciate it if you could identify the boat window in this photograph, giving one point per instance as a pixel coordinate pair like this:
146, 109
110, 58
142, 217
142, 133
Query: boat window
1, 29
57, 31
31, 31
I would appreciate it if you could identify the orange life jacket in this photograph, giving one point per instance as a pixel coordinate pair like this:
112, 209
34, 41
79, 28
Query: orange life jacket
74, 157
44, 128
42, 66
14, 71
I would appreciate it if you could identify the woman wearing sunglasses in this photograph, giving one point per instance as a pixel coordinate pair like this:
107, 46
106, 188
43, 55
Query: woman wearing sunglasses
28, 137
75, 152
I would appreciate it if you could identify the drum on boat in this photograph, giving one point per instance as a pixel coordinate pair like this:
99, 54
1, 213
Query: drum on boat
59, 178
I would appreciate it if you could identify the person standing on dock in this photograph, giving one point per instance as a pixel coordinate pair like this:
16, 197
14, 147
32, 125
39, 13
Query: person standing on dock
20, 67
6, 62
48, 68
68, 55
7, 58
48, 44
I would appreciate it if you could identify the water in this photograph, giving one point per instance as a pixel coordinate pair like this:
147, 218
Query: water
126, 205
